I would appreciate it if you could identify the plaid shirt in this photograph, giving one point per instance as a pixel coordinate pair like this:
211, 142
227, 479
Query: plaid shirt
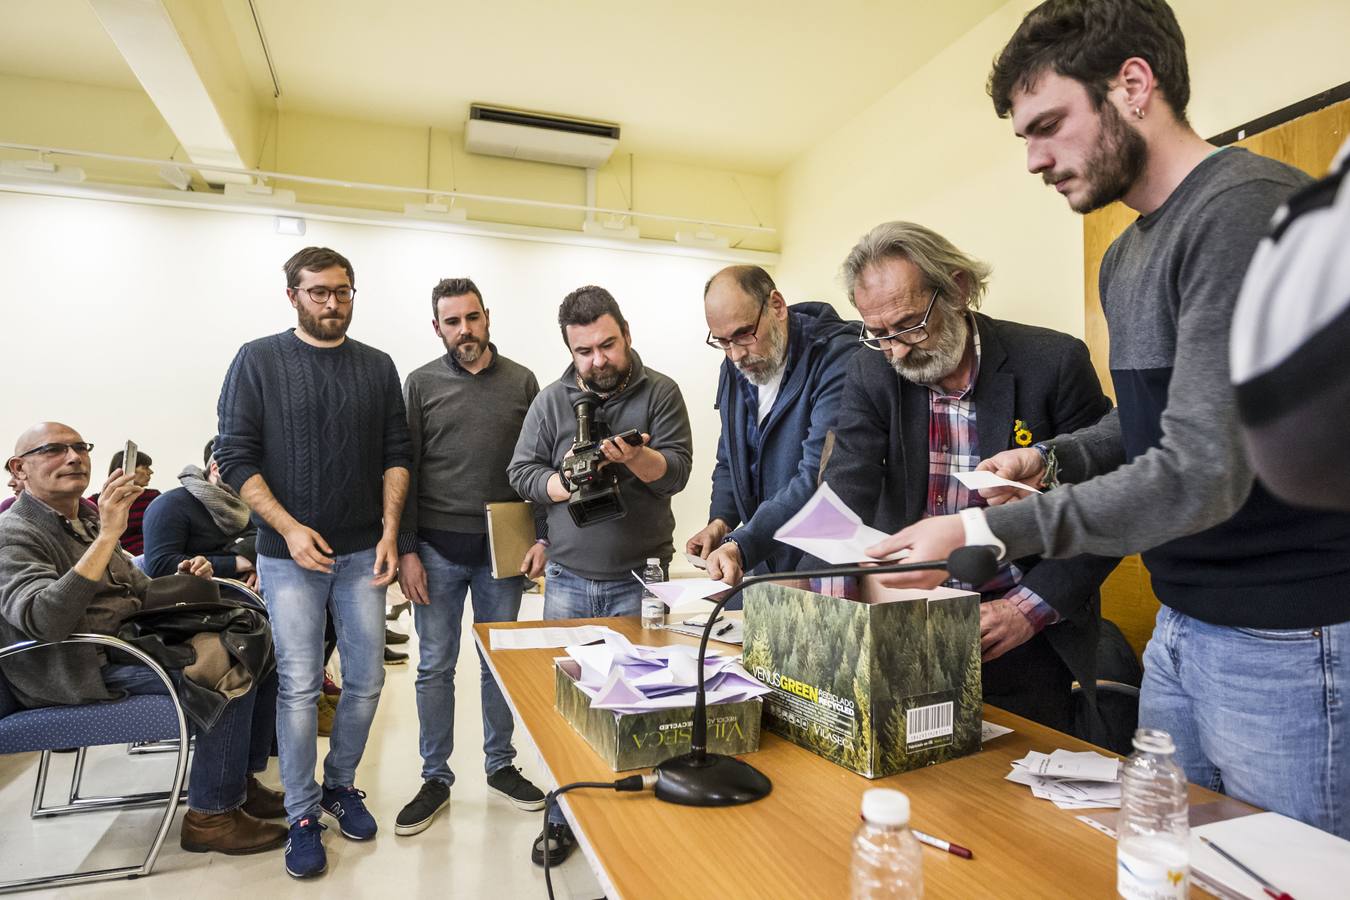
952, 448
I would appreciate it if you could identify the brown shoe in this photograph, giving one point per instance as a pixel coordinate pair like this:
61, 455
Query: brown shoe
327, 711
234, 833
261, 802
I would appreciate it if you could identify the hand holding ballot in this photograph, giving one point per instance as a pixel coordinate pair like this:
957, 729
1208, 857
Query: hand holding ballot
1022, 471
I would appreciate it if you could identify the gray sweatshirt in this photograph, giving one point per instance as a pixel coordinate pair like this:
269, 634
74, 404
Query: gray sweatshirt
609, 551
463, 428
43, 598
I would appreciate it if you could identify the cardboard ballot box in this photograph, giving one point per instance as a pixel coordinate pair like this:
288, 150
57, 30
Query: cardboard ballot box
877, 680
642, 740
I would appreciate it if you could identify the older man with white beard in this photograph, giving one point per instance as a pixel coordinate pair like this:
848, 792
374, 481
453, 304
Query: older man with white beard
940, 388
777, 396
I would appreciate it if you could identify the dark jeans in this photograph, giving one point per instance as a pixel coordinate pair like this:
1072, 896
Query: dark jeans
1032, 681
224, 756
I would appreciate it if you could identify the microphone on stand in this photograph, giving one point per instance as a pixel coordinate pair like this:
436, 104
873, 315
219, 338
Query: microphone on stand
700, 778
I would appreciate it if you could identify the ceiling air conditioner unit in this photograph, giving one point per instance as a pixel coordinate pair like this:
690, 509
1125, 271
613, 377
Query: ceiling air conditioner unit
516, 134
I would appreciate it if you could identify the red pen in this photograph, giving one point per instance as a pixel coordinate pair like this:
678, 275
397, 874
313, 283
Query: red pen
939, 843
1269, 888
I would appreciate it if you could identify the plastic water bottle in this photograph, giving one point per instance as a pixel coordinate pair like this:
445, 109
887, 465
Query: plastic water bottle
1152, 853
887, 858
653, 609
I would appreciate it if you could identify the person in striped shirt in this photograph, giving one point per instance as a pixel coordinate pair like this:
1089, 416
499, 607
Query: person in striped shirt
133, 539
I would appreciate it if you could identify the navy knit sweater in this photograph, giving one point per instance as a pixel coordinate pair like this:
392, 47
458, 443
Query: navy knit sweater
321, 425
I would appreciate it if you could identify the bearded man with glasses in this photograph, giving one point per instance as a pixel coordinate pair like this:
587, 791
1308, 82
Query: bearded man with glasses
314, 437
940, 388
777, 397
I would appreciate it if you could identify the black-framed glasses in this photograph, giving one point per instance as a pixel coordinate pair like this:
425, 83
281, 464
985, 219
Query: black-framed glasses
913, 335
80, 447
743, 337
321, 294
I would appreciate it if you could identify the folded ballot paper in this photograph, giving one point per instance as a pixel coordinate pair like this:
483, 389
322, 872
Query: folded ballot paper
1084, 780
626, 678
827, 529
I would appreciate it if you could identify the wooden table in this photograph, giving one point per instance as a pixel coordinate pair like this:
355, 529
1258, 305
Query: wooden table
796, 842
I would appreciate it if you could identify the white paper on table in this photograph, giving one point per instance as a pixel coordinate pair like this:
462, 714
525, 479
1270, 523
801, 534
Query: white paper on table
539, 638
981, 480
989, 731
827, 529
685, 590
1067, 764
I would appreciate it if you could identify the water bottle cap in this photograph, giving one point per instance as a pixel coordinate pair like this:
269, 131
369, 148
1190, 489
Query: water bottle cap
653, 562
883, 806
1153, 740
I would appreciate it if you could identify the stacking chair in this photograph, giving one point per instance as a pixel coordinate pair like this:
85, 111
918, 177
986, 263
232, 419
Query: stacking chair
137, 718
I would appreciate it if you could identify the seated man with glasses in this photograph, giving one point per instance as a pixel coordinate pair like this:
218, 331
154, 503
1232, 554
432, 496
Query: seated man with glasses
777, 396
62, 572
941, 388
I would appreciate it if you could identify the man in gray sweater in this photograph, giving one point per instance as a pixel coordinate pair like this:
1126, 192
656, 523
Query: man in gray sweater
1247, 649
590, 570
465, 409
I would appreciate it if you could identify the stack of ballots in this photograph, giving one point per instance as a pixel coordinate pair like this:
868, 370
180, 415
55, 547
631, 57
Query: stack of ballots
626, 678
1085, 780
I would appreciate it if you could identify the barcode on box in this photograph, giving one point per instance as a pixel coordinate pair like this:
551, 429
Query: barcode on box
925, 722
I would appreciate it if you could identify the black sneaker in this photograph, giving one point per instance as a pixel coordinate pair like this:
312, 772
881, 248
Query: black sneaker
416, 817
509, 783
394, 657
394, 637
561, 843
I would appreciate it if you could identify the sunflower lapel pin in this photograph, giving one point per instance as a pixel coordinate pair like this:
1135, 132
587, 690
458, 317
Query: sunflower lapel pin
1022, 434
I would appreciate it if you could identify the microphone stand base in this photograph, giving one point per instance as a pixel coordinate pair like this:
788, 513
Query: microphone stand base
710, 780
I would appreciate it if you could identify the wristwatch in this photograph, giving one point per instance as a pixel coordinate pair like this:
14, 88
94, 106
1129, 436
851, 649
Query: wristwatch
1051, 477
978, 532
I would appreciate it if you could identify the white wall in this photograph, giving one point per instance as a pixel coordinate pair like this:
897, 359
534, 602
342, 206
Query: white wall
121, 319
933, 151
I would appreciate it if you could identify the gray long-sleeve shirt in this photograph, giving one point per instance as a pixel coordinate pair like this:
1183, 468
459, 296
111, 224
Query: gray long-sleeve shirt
651, 403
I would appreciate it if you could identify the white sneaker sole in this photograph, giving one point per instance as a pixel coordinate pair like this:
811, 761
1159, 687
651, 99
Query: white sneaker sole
419, 827
527, 805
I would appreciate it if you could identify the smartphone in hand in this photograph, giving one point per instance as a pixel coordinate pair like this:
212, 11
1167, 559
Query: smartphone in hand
129, 456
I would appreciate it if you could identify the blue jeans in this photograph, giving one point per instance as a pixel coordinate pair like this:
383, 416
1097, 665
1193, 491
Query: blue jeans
568, 595
224, 756
438, 632
1257, 713
296, 600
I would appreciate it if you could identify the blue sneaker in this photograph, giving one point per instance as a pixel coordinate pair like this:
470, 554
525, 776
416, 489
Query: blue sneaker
346, 805
305, 856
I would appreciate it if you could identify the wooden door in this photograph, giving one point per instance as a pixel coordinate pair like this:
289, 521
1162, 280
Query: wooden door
1309, 142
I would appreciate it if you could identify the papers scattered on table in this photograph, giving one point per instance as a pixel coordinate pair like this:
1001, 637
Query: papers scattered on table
684, 590
1085, 780
628, 678
989, 731
979, 481
827, 529
536, 638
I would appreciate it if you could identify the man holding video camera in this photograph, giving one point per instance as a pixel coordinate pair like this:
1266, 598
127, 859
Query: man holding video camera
603, 448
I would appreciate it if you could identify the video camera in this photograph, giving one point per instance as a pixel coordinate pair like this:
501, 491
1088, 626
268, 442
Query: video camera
595, 490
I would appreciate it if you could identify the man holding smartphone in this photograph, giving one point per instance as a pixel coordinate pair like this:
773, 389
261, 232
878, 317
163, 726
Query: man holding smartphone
314, 437
590, 570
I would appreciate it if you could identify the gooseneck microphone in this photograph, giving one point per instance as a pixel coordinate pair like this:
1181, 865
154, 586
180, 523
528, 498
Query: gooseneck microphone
700, 778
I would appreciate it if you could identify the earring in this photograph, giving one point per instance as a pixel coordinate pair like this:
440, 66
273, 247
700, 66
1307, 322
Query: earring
1138, 113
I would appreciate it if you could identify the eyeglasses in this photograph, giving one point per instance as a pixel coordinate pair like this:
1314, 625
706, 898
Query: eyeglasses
743, 337
79, 447
320, 295
911, 336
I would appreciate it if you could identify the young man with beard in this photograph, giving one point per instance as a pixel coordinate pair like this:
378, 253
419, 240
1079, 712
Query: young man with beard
1247, 655
202, 517
465, 409
940, 387
590, 570
777, 398
313, 435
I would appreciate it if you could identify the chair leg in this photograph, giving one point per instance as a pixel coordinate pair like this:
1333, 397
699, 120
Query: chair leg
44, 765
76, 775
75, 803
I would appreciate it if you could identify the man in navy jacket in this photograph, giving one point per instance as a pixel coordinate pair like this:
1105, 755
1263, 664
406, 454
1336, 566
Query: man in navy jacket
778, 395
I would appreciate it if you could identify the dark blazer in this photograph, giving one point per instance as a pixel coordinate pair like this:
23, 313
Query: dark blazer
879, 465
791, 438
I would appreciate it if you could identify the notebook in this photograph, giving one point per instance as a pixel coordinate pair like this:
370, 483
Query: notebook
510, 528
1303, 861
